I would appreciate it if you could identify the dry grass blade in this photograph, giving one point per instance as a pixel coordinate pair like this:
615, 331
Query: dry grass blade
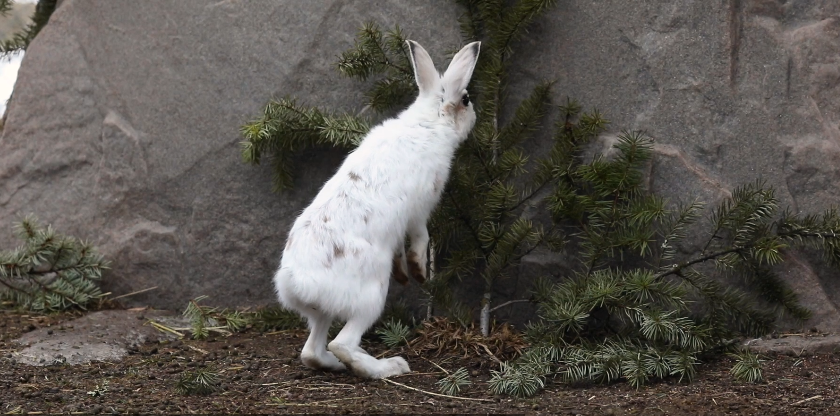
163, 328
435, 394
134, 293
807, 400
280, 402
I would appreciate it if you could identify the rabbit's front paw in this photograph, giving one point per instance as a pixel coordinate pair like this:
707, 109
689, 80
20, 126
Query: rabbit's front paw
398, 272
417, 266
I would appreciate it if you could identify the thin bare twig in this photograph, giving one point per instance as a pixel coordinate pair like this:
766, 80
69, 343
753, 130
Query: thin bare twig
509, 303
490, 353
819, 396
435, 364
198, 349
435, 394
134, 293
318, 403
164, 328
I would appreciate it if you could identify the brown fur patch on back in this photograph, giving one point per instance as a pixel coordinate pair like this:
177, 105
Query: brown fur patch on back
338, 252
414, 267
354, 176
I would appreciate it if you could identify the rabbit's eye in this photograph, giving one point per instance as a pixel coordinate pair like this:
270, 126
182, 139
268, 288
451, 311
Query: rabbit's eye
465, 100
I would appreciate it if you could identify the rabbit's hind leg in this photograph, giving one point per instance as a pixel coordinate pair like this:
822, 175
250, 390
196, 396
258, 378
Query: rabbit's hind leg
346, 348
314, 353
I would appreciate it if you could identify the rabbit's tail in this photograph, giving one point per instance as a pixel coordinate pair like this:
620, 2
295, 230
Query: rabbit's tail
344, 293
287, 292
284, 286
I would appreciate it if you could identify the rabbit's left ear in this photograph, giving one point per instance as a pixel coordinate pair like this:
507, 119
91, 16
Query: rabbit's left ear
457, 76
428, 78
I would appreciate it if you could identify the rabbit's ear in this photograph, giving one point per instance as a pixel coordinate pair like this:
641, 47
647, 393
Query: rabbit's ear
457, 76
428, 78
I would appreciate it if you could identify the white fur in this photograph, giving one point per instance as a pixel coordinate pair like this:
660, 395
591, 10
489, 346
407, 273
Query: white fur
338, 257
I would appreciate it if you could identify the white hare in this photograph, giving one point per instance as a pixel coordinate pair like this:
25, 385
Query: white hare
341, 250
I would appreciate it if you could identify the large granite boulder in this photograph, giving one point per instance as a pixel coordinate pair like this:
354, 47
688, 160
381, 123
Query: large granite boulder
124, 125
124, 130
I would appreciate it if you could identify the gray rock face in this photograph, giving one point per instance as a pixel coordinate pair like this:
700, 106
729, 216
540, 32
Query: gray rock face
124, 130
124, 124
98, 336
731, 91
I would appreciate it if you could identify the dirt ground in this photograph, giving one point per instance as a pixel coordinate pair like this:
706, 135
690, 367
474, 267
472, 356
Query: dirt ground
260, 374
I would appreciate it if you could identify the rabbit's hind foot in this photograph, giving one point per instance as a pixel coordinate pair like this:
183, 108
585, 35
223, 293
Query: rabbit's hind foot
325, 361
363, 365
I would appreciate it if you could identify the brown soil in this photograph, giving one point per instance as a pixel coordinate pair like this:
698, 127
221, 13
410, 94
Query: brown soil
259, 373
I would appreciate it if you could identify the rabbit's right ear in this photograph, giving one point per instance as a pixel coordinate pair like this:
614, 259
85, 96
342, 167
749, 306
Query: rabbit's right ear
457, 76
428, 78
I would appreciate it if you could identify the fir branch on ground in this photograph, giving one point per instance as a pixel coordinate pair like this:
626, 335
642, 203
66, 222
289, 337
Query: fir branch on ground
452, 383
206, 319
518, 381
199, 382
275, 318
747, 366
50, 272
393, 333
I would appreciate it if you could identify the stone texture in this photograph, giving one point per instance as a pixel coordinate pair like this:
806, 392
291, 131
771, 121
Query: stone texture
797, 345
124, 130
124, 126
730, 90
97, 336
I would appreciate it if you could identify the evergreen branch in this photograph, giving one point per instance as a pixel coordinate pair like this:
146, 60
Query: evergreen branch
6, 7
76, 268
522, 13
774, 289
747, 367
464, 218
469, 23
676, 230
676, 269
21, 40
285, 127
393, 333
370, 55
526, 119
14, 289
530, 195
452, 383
